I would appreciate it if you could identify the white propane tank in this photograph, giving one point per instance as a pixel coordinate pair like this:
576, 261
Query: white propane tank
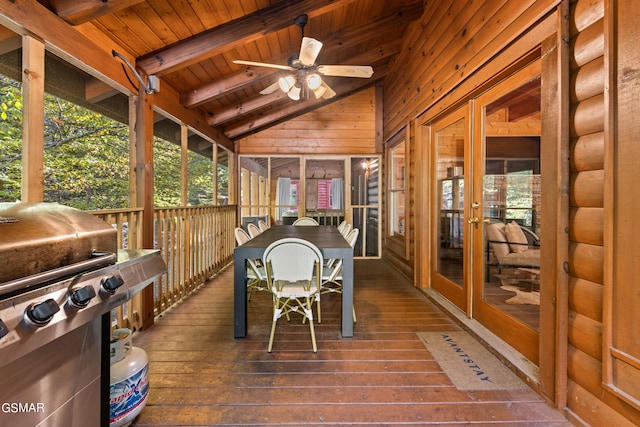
129, 379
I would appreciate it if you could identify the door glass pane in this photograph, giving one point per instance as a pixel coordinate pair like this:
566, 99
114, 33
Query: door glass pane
512, 203
450, 216
284, 189
364, 204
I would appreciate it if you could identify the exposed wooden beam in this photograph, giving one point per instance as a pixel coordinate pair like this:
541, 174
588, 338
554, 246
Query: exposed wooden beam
233, 34
298, 108
348, 37
261, 101
230, 83
79, 11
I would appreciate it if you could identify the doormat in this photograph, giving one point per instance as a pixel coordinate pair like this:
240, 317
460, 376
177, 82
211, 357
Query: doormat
468, 364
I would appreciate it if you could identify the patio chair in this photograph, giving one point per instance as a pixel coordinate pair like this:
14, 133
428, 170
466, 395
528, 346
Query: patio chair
512, 247
305, 220
256, 275
345, 230
262, 226
294, 272
332, 277
253, 230
341, 226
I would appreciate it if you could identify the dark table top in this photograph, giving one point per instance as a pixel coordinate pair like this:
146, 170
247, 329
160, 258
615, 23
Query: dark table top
324, 237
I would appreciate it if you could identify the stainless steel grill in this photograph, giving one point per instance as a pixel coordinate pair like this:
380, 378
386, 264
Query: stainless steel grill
60, 276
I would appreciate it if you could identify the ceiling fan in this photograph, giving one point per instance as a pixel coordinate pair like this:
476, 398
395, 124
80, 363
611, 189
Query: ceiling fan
305, 74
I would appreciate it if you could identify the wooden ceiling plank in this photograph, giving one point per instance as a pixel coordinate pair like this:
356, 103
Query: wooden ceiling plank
233, 34
76, 12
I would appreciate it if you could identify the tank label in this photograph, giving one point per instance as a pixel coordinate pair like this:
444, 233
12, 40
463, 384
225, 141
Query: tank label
128, 395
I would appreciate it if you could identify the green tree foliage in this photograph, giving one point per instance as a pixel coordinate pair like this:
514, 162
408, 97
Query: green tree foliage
86, 163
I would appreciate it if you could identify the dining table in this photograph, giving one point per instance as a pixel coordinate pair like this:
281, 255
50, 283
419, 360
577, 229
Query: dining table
326, 237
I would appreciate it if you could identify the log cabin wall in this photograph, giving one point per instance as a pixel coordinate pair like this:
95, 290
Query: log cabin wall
593, 25
346, 126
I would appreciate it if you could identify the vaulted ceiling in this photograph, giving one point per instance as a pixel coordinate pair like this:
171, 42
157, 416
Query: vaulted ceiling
191, 45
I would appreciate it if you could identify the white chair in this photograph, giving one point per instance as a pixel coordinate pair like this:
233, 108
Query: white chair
256, 275
332, 277
345, 230
305, 220
341, 226
294, 272
262, 226
253, 230
511, 247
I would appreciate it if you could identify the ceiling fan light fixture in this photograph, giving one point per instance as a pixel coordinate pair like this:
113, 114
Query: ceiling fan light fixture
314, 81
294, 93
287, 83
319, 91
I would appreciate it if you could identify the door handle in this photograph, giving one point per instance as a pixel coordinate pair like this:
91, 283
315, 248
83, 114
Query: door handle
473, 220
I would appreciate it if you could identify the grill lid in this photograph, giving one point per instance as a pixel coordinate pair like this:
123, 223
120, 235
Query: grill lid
38, 237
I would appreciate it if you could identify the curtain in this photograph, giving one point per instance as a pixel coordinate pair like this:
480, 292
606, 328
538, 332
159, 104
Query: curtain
337, 193
283, 196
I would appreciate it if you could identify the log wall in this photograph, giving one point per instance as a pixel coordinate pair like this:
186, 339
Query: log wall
588, 401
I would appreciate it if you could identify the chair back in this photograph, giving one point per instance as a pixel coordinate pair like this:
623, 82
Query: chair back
292, 259
345, 230
341, 226
262, 225
305, 220
241, 236
352, 237
253, 230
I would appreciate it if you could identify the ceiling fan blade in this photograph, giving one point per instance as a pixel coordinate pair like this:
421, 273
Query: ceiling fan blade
270, 89
263, 64
309, 51
363, 71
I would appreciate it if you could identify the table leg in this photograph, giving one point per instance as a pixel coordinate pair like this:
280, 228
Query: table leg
240, 297
347, 297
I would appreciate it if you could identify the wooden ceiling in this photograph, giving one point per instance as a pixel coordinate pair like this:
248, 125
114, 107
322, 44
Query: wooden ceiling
190, 45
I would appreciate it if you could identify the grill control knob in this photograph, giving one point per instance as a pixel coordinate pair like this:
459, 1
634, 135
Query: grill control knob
111, 284
41, 313
80, 297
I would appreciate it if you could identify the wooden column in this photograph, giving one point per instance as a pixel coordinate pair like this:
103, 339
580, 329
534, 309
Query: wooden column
214, 162
32, 120
133, 181
144, 189
184, 163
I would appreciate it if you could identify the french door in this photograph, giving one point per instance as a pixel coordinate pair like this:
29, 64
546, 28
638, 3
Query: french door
485, 168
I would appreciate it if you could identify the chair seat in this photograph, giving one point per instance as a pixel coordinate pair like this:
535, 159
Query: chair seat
295, 290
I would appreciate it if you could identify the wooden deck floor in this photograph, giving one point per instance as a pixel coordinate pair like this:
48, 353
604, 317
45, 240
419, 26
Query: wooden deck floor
384, 376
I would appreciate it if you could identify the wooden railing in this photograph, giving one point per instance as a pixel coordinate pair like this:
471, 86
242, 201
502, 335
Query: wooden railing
195, 242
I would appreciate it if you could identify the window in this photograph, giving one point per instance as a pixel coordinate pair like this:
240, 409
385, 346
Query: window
397, 189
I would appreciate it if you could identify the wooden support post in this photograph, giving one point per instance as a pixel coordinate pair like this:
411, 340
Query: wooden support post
214, 163
32, 120
184, 163
144, 185
133, 147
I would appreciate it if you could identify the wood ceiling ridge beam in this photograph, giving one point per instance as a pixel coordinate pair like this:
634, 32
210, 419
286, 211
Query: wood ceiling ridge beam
261, 101
233, 34
298, 108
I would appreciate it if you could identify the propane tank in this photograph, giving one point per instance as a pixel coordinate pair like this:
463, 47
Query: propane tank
129, 379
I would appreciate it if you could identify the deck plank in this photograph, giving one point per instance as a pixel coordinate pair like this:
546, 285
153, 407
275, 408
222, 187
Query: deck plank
201, 376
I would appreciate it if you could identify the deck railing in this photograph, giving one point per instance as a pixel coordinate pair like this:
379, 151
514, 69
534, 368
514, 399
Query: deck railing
195, 242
